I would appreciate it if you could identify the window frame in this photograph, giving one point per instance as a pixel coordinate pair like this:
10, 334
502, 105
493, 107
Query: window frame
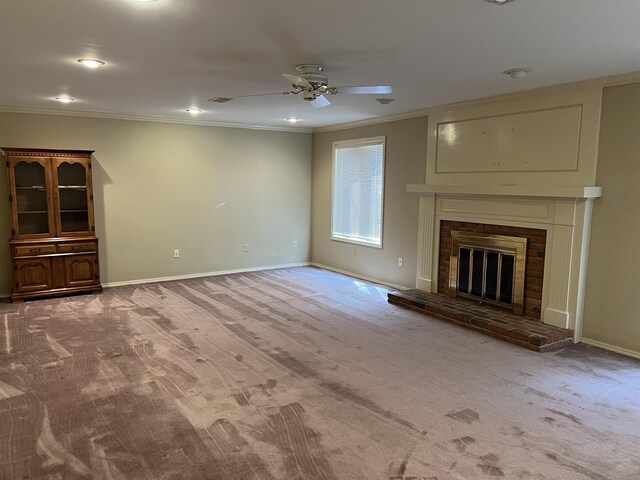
351, 144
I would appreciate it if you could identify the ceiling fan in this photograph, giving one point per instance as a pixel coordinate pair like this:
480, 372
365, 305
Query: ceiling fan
313, 84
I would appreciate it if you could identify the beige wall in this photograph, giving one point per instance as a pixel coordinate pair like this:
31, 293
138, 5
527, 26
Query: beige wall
204, 190
611, 314
406, 142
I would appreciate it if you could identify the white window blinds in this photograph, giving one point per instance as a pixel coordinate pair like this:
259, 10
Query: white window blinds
358, 179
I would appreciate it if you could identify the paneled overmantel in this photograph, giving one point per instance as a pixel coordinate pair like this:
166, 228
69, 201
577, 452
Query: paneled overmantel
565, 215
519, 161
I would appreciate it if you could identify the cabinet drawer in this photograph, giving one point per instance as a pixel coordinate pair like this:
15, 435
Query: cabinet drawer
77, 247
28, 250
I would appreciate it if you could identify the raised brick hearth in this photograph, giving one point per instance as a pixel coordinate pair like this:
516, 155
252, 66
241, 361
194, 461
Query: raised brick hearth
522, 331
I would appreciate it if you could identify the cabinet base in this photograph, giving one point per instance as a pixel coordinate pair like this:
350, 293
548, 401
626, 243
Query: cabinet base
58, 292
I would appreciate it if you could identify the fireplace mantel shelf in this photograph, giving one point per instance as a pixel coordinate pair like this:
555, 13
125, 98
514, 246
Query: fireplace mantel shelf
549, 191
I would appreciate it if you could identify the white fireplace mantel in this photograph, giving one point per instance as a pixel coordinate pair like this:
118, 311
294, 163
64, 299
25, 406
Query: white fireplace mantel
563, 211
549, 191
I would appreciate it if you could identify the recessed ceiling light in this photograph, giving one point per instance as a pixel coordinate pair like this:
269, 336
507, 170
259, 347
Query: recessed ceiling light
193, 111
499, 2
65, 99
517, 73
90, 62
293, 120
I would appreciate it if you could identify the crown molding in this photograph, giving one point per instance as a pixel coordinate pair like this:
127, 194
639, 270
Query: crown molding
597, 82
145, 118
622, 79
423, 112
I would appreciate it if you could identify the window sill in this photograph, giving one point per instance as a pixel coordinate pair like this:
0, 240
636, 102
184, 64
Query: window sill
357, 242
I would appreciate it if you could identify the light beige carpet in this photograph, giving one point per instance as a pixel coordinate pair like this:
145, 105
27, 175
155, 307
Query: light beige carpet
297, 374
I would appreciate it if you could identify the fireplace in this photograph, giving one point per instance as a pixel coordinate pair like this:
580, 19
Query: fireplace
495, 232
488, 268
525, 245
554, 220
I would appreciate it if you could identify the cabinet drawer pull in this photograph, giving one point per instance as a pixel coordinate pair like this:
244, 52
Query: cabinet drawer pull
76, 248
34, 250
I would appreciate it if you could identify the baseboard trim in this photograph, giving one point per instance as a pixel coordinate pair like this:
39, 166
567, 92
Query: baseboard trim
357, 275
204, 274
611, 348
5, 295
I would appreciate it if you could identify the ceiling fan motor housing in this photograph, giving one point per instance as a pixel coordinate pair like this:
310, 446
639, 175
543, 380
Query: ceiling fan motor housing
312, 73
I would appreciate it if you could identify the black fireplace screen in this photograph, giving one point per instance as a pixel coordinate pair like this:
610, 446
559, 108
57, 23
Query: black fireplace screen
486, 275
489, 268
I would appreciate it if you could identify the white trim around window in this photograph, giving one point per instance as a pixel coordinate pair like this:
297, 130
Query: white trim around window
357, 191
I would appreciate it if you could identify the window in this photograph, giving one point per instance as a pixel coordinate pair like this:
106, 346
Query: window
358, 183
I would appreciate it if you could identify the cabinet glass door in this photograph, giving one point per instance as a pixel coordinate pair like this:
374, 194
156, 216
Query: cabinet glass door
73, 197
32, 209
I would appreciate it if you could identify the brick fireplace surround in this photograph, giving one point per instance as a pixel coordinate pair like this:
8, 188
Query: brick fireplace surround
534, 267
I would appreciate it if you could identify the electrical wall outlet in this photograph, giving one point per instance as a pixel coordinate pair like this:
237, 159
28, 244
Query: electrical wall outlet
355, 252
399, 261
176, 253
295, 244
246, 247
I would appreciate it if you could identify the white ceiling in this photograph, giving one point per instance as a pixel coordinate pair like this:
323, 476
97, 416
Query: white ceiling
165, 56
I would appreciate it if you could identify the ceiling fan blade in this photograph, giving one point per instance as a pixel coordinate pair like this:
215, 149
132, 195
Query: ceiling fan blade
226, 99
320, 101
297, 81
377, 89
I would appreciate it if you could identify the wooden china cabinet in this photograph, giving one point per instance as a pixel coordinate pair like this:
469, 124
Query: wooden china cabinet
54, 250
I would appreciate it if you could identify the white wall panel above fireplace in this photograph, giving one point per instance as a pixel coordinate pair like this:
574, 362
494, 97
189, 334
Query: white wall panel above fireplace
539, 141
538, 138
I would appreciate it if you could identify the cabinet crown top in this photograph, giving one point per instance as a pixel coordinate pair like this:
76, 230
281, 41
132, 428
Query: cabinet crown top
45, 152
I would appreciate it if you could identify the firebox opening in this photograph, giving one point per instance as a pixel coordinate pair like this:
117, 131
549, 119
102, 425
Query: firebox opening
486, 275
488, 268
